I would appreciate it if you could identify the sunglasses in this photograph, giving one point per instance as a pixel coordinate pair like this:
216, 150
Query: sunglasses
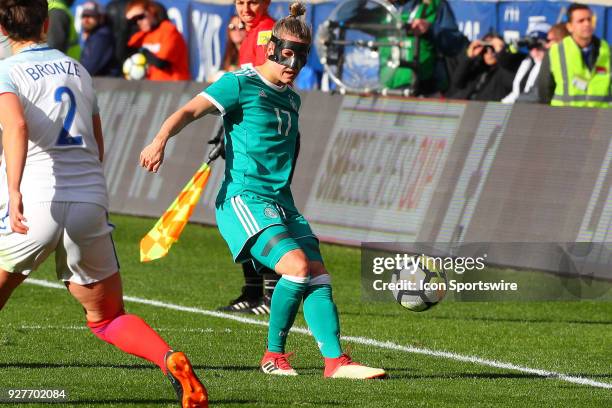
235, 27
138, 17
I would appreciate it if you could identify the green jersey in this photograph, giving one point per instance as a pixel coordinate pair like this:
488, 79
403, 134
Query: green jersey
261, 128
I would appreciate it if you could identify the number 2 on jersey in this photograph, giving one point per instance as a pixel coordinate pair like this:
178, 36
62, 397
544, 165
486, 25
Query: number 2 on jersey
279, 116
64, 138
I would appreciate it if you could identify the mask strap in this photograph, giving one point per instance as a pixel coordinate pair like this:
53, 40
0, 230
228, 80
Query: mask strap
275, 57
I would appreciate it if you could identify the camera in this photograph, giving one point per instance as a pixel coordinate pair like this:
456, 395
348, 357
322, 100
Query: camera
531, 42
487, 45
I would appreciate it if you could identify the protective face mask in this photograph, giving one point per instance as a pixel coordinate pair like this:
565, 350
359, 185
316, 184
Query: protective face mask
297, 60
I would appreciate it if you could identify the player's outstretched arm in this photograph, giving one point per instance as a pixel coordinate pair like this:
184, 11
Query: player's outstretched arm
15, 143
152, 156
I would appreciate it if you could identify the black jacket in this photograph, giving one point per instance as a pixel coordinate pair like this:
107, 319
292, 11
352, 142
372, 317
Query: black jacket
120, 27
98, 55
473, 79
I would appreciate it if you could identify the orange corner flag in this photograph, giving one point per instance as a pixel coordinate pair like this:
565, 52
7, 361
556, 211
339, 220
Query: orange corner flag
168, 228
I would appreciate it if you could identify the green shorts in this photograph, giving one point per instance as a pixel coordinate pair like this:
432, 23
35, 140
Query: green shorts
262, 231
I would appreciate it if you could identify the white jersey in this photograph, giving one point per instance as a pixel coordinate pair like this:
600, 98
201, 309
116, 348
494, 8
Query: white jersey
58, 99
5, 47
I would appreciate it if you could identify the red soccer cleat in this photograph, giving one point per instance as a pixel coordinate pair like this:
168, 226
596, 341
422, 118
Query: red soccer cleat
345, 367
277, 364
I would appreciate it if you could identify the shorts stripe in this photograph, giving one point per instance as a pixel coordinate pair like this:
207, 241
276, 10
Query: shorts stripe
274, 241
247, 227
247, 211
110, 224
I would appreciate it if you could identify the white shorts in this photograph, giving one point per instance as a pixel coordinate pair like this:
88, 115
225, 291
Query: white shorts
79, 233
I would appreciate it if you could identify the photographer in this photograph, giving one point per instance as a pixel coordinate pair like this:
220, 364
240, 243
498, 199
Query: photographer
486, 72
539, 39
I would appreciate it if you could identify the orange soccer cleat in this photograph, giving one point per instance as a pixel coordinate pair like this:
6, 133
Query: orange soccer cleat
189, 390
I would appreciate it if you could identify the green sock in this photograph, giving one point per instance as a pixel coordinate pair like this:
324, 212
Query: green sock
286, 301
322, 318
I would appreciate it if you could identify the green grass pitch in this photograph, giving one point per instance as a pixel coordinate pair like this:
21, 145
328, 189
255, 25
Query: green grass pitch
44, 343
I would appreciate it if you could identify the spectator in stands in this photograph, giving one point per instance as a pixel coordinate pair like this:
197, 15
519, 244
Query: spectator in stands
122, 28
254, 14
537, 41
160, 42
576, 72
98, 54
62, 35
235, 35
486, 72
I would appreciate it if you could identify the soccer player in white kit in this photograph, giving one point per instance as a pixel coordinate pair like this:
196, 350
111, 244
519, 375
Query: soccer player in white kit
53, 194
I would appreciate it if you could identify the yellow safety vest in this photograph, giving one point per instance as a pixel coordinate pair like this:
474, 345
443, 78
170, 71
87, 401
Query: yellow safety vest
74, 49
575, 84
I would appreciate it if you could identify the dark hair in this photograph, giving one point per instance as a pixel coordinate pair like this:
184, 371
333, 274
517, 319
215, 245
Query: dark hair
23, 19
293, 24
576, 6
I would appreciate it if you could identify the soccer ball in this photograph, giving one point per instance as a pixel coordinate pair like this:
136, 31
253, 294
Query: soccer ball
423, 288
135, 67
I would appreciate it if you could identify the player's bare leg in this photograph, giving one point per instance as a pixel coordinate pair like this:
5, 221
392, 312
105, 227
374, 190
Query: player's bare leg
103, 304
102, 300
8, 283
293, 263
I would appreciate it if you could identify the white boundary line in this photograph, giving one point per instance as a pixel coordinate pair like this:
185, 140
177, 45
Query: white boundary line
360, 340
199, 330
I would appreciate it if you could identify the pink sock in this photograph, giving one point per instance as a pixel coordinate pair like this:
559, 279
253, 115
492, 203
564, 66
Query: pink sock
133, 335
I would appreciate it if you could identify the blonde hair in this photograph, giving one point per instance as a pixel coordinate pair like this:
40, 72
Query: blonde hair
294, 24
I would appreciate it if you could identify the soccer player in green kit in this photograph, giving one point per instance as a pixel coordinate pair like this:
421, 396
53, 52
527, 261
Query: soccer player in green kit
255, 212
